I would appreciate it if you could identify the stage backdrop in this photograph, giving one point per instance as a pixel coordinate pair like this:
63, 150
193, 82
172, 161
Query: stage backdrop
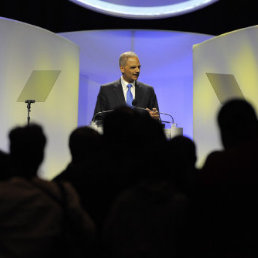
29, 54
166, 59
224, 67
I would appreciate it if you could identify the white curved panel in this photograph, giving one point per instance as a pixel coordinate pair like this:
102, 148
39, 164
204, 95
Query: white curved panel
23, 49
224, 67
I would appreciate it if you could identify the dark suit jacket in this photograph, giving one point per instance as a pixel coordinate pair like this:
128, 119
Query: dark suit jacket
111, 96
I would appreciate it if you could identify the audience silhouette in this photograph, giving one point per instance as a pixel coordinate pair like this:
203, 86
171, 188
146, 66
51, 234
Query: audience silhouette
133, 193
228, 185
83, 172
33, 214
128, 136
183, 157
237, 163
27, 146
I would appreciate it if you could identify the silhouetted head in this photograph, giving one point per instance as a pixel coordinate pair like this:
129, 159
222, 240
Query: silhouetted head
184, 148
84, 143
237, 122
125, 125
27, 145
135, 142
117, 123
182, 158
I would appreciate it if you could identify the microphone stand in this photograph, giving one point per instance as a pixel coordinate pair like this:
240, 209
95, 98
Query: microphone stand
169, 116
98, 124
100, 114
160, 113
29, 102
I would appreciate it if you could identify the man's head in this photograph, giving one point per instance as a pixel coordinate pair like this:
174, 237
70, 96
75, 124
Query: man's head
237, 122
130, 66
84, 144
27, 144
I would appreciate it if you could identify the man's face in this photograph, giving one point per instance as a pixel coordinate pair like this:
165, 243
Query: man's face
131, 70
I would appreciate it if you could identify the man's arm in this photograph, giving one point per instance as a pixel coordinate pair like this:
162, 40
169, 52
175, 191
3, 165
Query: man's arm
100, 102
154, 113
154, 107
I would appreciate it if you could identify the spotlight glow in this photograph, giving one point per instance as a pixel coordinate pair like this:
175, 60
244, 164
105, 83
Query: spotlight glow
145, 10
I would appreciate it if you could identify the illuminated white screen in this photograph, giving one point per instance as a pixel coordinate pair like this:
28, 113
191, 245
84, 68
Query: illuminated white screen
144, 9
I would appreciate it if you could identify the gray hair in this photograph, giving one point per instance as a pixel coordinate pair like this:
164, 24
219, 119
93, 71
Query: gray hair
124, 57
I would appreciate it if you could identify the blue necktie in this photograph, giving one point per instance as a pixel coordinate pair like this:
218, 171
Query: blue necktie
129, 96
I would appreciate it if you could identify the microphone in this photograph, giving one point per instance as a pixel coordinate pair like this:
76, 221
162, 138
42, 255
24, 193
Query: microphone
101, 113
134, 103
169, 116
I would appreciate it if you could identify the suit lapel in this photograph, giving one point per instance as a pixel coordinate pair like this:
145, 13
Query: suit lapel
138, 94
118, 91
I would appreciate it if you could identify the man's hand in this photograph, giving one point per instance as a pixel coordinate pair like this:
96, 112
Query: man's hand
153, 113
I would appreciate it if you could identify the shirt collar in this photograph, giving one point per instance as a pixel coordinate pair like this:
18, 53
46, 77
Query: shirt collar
125, 83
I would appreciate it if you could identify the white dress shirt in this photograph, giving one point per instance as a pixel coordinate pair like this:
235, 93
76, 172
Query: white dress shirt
125, 88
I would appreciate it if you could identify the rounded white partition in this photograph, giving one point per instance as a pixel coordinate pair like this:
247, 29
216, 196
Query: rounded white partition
224, 67
27, 51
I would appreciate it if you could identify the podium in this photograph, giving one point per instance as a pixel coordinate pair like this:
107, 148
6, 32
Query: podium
173, 131
170, 127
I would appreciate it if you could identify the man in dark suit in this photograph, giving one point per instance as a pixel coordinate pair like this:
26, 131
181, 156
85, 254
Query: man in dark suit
127, 90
